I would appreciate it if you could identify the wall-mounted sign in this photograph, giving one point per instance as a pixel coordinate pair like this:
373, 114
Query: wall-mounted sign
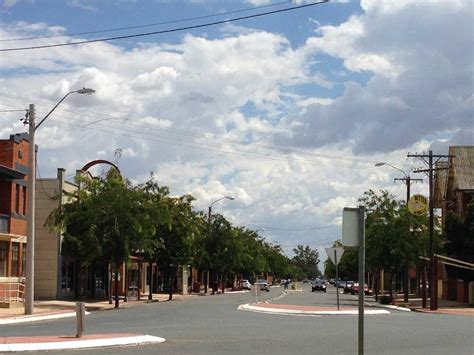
418, 205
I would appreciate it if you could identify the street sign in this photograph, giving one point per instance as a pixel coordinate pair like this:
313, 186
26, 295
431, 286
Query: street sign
350, 227
334, 254
418, 205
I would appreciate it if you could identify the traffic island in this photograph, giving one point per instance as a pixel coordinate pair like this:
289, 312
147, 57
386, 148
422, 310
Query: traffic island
288, 309
46, 343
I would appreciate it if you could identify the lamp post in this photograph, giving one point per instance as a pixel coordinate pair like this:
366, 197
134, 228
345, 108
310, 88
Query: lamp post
30, 249
408, 181
209, 230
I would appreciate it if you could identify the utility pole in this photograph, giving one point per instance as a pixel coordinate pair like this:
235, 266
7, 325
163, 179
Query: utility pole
433, 282
408, 181
30, 241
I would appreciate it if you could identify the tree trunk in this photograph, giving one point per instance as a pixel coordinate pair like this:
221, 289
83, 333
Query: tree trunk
150, 293
171, 283
205, 281
116, 286
405, 284
391, 288
376, 285
223, 281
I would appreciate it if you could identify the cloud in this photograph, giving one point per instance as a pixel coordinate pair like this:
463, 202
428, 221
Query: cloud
420, 84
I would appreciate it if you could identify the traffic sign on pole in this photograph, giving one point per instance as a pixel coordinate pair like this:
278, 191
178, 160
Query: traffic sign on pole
334, 254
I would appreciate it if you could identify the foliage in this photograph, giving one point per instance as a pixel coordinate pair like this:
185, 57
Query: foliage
307, 260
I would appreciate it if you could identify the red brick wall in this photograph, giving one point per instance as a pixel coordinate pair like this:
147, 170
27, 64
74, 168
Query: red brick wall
9, 157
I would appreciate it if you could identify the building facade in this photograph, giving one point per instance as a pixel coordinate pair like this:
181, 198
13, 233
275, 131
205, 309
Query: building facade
13, 217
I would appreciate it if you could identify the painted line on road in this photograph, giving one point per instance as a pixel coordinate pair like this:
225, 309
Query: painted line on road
81, 344
36, 318
251, 308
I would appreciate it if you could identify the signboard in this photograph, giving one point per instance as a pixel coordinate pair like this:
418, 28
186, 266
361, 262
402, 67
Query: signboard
418, 205
334, 252
350, 227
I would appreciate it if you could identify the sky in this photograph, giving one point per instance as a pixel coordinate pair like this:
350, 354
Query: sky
288, 113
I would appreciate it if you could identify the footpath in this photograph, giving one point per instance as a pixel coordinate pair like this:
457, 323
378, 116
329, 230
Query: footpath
47, 310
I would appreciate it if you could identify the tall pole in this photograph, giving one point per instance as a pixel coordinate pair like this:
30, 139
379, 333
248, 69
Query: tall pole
433, 293
337, 279
209, 234
30, 246
361, 277
433, 282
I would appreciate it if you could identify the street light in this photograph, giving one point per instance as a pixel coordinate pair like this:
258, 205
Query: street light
30, 246
383, 163
209, 227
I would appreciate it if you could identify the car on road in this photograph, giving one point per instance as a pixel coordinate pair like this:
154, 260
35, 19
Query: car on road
348, 286
355, 289
263, 284
245, 284
318, 286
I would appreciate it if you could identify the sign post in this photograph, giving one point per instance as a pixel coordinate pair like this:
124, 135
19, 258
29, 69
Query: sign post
335, 255
353, 234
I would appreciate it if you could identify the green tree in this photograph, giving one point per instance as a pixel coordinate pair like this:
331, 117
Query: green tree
307, 260
107, 220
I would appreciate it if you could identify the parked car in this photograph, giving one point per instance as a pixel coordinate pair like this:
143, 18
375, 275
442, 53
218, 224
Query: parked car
245, 284
340, 284
348, 286
332, 281
355, 289
263, 284
305, 281
318, 286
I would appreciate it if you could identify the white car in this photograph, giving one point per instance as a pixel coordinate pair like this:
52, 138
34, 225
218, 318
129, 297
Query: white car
246, 285
262, 284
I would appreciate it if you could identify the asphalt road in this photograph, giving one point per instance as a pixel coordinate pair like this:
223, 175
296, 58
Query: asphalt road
213, 325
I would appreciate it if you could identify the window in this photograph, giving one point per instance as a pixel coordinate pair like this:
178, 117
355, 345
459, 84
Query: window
3, 258
24, 200
23, 260
15, 259
17, 199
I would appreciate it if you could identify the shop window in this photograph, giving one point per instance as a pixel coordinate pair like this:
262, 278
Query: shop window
3, 258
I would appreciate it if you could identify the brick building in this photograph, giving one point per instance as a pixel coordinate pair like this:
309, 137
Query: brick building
13, 217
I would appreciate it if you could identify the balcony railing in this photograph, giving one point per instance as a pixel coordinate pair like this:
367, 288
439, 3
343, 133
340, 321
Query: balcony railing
12, 291
4, 222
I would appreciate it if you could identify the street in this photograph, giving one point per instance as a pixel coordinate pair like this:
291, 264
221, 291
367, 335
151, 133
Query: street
213, 325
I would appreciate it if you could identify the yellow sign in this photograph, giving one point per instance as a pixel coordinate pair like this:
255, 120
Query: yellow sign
418, 205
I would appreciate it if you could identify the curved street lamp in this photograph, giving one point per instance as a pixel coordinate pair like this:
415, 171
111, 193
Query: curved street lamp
30, 242
394, 167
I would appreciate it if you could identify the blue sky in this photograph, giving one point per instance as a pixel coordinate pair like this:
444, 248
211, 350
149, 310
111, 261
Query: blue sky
287, 113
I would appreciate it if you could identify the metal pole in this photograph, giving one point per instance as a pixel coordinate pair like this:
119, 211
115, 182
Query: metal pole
361, 277
431, 230
30, 246
337, 279
80, 318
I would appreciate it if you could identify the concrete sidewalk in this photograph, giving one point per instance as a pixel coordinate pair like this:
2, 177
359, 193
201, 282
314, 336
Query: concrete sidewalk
290, 309
45, 343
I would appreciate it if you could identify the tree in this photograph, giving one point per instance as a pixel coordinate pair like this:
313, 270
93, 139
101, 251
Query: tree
307, 260
394, 237
108, 220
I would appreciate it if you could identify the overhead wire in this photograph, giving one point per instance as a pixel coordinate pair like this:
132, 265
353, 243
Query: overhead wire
147, 25
201, 136
179, 29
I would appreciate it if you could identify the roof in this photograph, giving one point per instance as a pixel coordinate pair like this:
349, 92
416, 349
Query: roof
461, 168
7, 173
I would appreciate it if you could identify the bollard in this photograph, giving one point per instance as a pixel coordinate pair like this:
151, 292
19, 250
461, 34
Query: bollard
80, 317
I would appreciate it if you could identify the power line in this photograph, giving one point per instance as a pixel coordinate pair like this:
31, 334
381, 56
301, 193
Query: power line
147, 25
202, 136
179, 29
